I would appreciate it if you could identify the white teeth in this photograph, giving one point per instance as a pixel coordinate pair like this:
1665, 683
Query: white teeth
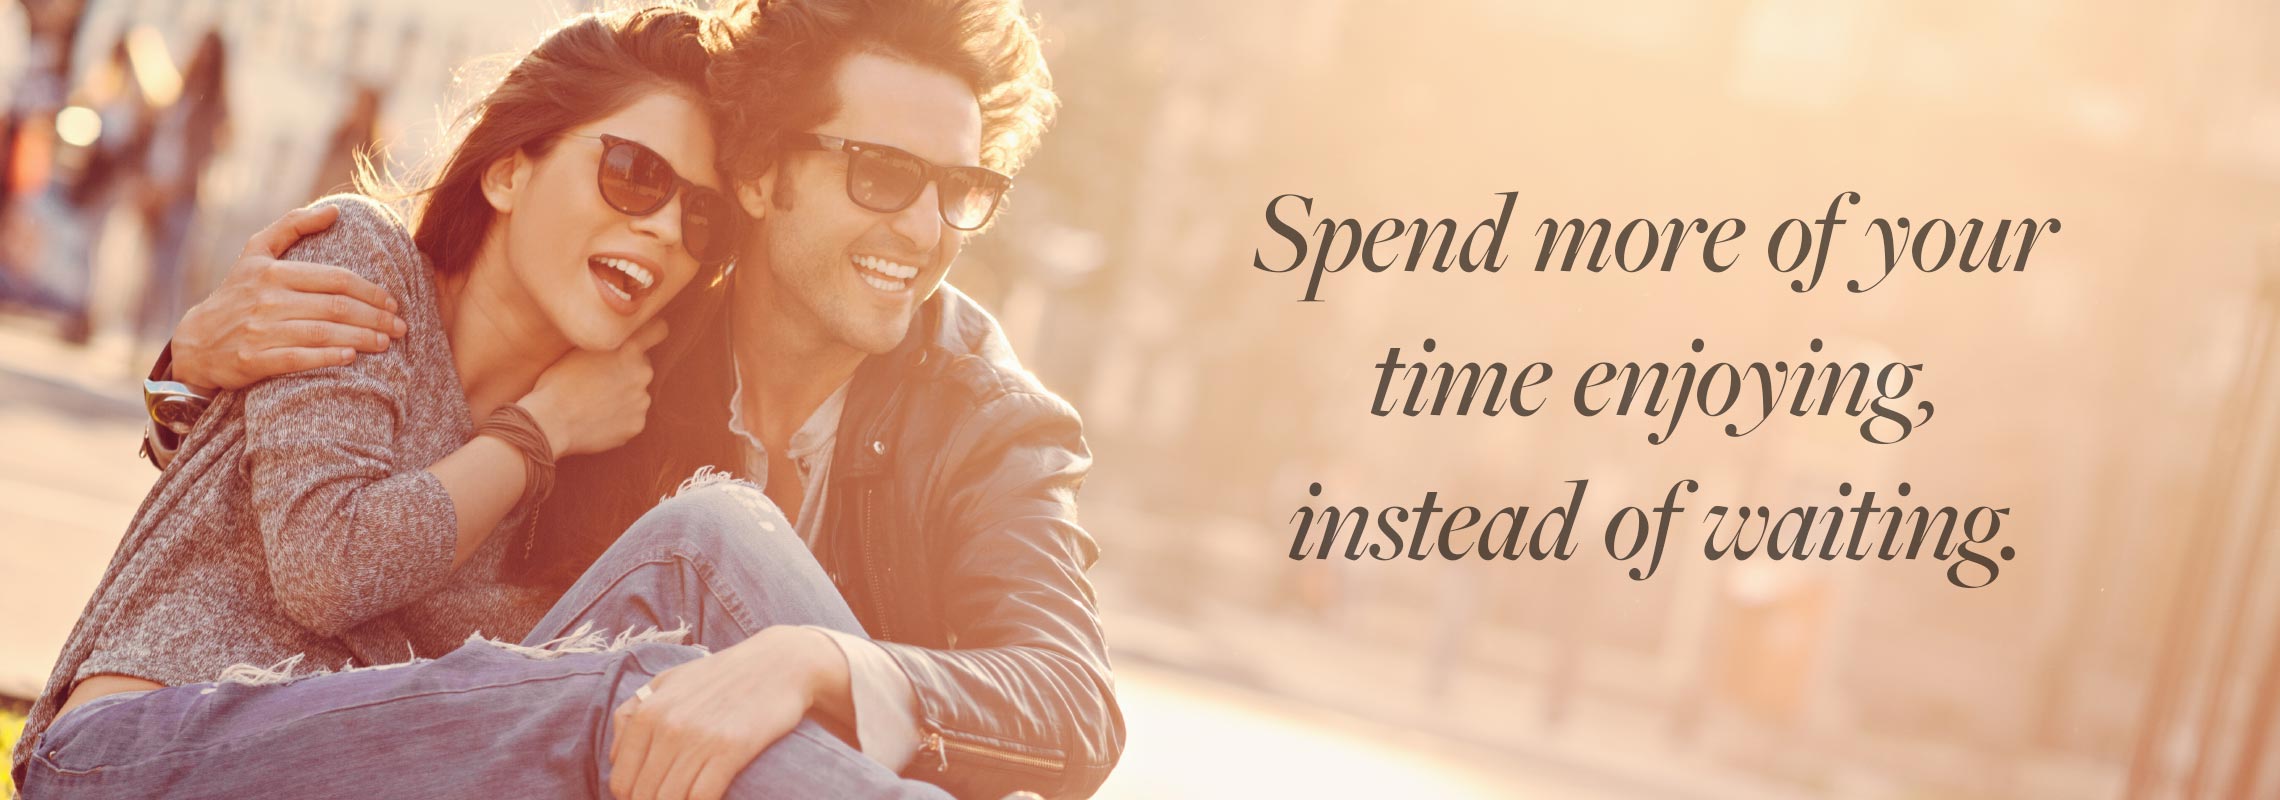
620, 293
882, 284
642, 277
887, 268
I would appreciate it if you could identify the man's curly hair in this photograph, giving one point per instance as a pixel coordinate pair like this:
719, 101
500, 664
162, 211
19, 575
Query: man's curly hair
775, 60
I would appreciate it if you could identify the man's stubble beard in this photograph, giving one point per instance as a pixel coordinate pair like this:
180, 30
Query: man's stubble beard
808, 295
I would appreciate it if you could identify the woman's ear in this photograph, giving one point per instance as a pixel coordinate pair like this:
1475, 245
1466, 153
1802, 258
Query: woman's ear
503, 178
755, 194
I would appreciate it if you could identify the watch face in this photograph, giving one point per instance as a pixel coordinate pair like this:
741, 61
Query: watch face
177, 414
173, 406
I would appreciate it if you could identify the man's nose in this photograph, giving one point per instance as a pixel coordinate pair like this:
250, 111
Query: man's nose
920, 223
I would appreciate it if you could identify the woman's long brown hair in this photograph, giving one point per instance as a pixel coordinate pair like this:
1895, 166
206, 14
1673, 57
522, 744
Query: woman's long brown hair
588, 68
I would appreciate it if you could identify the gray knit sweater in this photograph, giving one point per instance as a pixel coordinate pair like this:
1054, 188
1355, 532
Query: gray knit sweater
299, 517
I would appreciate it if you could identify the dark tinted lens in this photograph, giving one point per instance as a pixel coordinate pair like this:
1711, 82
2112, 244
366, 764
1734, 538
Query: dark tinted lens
705, 226
634, 180
969, 196
884, 180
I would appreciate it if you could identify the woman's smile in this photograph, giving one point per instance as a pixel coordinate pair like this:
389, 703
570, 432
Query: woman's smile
624, 282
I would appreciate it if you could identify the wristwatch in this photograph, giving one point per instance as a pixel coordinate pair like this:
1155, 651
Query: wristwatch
174, 409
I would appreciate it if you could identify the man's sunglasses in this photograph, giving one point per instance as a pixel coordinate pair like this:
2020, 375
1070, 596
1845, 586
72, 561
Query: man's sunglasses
637, 182
887, 180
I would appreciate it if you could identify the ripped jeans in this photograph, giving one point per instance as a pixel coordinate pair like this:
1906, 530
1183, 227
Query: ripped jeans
491, 720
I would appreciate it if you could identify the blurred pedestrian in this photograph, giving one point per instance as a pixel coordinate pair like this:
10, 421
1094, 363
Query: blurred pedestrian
187, 135
357, 136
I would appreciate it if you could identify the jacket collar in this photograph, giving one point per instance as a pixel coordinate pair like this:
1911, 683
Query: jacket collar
878, 387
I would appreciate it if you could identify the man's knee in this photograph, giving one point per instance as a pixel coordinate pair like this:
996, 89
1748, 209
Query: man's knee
716, 516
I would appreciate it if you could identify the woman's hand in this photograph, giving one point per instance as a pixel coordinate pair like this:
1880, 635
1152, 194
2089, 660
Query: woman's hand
592, 401
586, 402
706, 720
272, 317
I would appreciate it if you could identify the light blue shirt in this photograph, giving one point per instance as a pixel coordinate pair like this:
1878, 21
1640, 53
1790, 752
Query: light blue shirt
886, 720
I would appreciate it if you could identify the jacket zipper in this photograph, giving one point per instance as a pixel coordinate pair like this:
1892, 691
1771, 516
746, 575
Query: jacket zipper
941, 748
867, 533
871, 570
934, 743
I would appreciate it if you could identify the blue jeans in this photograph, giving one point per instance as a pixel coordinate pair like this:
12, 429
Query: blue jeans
490, 720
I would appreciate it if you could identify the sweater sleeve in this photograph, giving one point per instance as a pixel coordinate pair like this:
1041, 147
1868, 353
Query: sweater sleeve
351, 532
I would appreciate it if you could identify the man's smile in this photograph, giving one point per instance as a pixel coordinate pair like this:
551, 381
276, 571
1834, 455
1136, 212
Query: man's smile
882, 274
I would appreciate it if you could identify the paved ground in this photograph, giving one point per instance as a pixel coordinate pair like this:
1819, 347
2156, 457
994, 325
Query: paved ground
70, 481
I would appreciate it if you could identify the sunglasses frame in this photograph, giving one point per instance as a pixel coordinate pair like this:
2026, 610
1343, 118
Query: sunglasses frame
931, 172
681, 186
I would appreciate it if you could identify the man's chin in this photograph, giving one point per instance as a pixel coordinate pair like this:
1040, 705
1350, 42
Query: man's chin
878, 338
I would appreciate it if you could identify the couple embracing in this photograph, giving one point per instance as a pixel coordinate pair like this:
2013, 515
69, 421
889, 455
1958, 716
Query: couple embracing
408, 538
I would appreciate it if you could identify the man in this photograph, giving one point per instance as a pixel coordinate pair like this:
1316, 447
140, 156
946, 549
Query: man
883, 412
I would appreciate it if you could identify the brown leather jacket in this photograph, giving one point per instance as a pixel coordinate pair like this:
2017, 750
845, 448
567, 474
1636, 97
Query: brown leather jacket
951, 529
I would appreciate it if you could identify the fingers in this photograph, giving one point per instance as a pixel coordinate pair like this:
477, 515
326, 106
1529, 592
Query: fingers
264, 364
712, 781
628, 750
653, 767
674, 783
313, 333
281, 235
339, 309
301, 276
650, 334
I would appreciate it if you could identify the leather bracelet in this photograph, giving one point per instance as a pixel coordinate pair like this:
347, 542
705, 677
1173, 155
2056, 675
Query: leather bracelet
514, 425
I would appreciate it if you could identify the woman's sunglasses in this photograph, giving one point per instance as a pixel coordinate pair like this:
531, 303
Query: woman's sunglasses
887, 180
637, 182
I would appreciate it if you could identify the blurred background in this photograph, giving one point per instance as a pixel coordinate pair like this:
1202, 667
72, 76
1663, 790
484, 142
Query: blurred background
2119, 396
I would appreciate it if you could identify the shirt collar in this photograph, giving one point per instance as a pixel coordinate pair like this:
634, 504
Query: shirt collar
815, 435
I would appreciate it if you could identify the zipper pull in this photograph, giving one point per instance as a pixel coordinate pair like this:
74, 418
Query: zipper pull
942, 754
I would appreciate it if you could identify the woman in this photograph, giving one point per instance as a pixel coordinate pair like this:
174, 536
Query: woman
352, 516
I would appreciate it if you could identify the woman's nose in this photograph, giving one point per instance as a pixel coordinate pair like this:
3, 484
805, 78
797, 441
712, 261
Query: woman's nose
664, 223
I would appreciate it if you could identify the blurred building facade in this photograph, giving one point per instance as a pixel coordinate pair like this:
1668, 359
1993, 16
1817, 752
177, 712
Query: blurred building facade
1830, 680
2212, 725
305, 83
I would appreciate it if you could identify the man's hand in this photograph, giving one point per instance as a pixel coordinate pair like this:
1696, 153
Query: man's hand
705, 721
271, 317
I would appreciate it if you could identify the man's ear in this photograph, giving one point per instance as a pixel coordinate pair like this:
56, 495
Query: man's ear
503, 177
754, 195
